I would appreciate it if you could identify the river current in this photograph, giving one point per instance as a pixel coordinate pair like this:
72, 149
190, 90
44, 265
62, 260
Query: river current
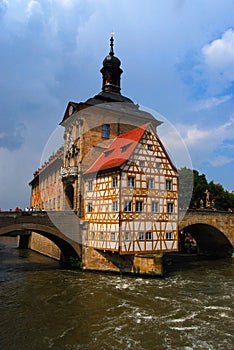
44, 306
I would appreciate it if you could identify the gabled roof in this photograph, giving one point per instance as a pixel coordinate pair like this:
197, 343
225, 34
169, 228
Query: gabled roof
119, 150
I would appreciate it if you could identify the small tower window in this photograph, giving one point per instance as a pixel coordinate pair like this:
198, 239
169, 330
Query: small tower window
105, 131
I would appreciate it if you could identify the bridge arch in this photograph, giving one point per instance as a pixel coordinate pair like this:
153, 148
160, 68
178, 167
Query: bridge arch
210, 240
68, 247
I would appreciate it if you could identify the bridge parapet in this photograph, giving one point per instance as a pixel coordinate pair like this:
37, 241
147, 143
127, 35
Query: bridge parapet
208, 226
60, 227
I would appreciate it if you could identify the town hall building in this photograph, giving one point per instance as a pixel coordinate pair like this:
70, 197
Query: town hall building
116, 176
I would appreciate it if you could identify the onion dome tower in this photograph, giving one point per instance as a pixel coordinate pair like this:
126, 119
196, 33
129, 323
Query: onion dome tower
111, 71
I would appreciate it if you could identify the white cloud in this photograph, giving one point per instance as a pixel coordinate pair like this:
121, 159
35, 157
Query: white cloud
194, 135
209, 144
226, 130
221, 160
220, 52
65, 3
33, 8
209, 103
218, 61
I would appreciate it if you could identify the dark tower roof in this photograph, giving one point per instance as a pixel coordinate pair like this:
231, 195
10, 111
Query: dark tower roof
111, 71
110, 93
111, 75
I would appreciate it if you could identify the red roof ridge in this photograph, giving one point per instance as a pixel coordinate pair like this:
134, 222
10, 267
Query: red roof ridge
119, 150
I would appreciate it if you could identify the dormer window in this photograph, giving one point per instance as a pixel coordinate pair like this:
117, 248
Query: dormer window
125, 147
105, 131
108, 152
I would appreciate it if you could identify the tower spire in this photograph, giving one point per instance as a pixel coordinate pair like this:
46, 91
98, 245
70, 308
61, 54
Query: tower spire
111, 45
111, 70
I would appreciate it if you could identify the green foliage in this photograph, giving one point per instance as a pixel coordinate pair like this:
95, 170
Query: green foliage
203, 194
75, 262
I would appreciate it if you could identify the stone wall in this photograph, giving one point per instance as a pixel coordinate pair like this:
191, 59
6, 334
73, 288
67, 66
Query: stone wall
44, 246
96, 260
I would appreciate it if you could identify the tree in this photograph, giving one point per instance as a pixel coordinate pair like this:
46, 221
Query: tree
185, 187
195, 192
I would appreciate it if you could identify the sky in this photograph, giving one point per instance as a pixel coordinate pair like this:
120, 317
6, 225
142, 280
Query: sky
177, 57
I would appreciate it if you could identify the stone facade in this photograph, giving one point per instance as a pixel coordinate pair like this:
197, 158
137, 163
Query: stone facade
151, 264
46, 186
44, 246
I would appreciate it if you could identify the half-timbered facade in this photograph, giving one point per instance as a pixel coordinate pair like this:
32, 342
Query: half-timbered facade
131, 196
115, 174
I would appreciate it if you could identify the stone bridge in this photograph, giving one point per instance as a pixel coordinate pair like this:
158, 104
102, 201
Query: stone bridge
213, 231
62, 228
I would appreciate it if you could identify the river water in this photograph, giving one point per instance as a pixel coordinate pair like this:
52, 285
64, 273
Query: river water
44, 306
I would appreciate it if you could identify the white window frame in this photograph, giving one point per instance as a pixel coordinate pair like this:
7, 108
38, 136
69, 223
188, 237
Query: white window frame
128, 206
139, 206
169, 236
131, 181
141, 236
114, 182
168, 185
115, 206
170, 208
90, 185
150, 183
127, 236
90, 208
154, 207
148, 236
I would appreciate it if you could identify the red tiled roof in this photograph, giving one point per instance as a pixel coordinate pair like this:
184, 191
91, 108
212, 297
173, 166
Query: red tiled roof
119, 151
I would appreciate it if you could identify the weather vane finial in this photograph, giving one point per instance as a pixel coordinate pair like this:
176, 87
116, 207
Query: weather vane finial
112, 44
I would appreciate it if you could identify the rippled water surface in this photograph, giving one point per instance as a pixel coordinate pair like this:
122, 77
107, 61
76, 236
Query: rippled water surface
46, 307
